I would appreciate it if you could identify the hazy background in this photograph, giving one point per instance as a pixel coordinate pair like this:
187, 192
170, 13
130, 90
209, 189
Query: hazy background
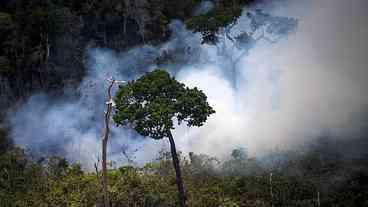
308, 83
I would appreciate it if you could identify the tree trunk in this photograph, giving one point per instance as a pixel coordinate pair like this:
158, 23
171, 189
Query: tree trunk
104, 173
179, 181
271, 191
104, 146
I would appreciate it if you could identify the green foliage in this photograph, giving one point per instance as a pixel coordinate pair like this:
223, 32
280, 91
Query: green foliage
5, 20
6, 27
209, 24
151, 103
240, 164
54, 182
24, 183
42, 42
27, 28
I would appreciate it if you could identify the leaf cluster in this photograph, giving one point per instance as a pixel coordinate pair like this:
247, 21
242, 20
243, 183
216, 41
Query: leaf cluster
224, 14
210, 23
151, 103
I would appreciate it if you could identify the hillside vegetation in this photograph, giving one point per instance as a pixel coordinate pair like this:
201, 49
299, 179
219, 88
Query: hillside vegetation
239, 180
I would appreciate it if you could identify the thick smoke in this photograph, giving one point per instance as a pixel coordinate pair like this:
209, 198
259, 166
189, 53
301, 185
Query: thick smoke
204, 7
291, 91
288, 89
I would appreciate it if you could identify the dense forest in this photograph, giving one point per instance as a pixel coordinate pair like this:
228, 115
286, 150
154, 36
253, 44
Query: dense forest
316, 177
42, 45
43, 41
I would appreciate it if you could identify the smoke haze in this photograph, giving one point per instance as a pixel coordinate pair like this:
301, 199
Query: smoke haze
287, 93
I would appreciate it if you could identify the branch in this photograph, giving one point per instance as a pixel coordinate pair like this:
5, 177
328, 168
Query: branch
109, 98
96, 169
110, 103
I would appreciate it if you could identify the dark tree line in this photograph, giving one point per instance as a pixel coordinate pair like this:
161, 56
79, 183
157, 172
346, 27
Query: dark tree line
42, 42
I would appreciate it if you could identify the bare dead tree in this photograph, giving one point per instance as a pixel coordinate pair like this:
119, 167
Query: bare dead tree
110, 104
271, 190
96, 169
318, 200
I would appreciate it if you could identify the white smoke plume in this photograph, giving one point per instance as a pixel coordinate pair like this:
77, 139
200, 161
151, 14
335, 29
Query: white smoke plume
291, 91
287, 91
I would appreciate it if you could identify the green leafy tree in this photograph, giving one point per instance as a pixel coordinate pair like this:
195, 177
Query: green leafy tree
225, 13
152, 103
209, 24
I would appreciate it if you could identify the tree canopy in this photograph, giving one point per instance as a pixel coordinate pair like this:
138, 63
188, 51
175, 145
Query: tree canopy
209, 24
150, 104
